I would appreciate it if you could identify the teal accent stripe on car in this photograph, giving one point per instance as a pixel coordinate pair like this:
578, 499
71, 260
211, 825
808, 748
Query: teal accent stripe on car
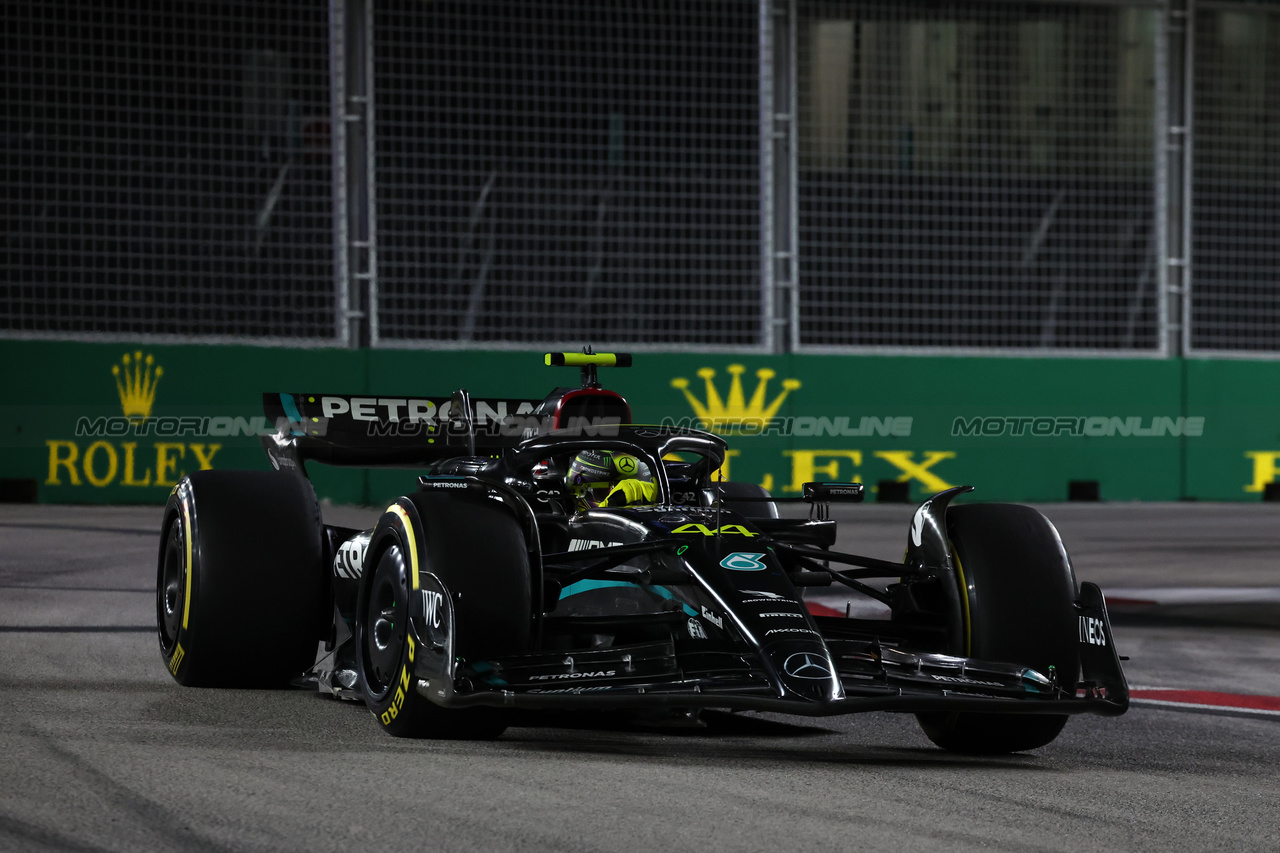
587, 586
485, 670
291, 411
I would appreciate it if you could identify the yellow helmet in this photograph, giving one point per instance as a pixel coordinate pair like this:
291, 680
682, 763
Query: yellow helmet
593, 473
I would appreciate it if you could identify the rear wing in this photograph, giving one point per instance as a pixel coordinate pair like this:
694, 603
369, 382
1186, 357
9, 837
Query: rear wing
368, 431
372, 431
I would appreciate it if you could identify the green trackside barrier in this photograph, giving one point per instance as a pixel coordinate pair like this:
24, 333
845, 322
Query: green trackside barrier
1239, 453
790, 419
1018, 429
67, 426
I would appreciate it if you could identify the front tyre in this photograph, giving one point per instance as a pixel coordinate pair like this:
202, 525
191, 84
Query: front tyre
1019, 591
387, 650
471, 550
239, 579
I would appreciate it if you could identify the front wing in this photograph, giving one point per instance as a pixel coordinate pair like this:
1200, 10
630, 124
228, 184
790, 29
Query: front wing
867, 676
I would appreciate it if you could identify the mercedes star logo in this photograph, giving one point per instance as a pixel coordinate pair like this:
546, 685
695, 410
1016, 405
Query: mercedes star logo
806, 665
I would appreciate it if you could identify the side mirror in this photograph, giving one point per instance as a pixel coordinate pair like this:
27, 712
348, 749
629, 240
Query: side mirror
846, 493
461, 421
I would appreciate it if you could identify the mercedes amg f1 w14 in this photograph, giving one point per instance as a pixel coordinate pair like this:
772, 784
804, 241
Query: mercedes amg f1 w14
489, 588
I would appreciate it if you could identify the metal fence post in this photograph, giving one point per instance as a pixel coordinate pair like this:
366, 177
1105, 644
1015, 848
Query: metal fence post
355, 256
1188, 163
1174, 175
338, 154
768, 299
779, 191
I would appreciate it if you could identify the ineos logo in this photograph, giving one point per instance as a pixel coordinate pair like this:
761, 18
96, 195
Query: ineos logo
1092, 632
432, 603
806, 665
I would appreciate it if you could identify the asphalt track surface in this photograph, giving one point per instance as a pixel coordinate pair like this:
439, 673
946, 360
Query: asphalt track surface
101, 750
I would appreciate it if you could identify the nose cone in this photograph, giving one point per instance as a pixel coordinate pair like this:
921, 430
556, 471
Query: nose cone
806, 671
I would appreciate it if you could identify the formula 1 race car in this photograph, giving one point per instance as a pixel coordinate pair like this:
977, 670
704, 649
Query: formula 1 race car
488, 588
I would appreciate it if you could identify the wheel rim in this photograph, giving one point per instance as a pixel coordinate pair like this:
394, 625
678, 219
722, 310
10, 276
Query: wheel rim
171, 588
385, 619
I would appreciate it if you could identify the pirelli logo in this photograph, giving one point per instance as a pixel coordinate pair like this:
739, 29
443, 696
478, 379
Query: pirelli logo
176, 660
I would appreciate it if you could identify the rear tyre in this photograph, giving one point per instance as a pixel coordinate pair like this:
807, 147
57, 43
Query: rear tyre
733, 493
239, 579
1021, 595
477, 550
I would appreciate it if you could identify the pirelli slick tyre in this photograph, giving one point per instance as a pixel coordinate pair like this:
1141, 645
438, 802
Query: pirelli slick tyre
752, 507
239, 579
473, 551
1018, 591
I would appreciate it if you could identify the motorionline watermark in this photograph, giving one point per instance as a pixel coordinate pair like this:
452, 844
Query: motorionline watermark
1097, 426
217, 426
224, 426
802, 426
510, 426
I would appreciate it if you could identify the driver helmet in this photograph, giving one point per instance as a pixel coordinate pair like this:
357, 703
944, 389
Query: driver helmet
594, 473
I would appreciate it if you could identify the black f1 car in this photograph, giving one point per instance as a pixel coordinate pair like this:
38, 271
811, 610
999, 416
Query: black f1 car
485, 590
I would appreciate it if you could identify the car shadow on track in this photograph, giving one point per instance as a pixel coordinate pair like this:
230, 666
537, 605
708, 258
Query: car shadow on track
738, 738
716, 737
708, 724
742, 752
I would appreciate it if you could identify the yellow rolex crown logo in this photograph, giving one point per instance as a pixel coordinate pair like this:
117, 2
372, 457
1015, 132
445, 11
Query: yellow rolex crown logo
136, 380
734, 411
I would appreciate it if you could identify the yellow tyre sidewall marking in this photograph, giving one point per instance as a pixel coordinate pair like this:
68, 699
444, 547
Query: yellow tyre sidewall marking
411, 542
186, 535
964, 604
398, 700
